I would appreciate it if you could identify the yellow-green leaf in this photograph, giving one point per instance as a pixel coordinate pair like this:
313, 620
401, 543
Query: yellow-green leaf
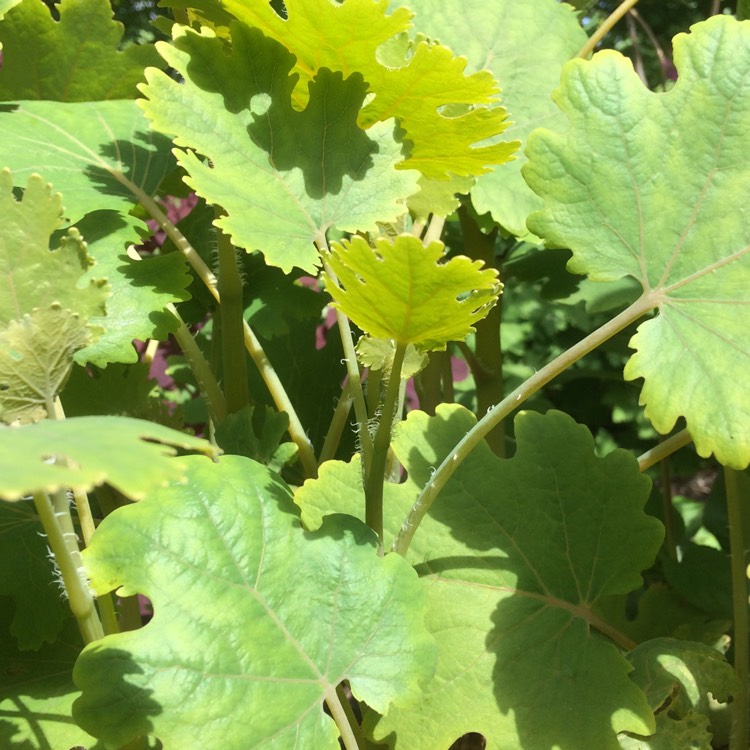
408, 292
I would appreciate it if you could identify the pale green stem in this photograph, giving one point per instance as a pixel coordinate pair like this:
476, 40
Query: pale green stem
352, 371
68, 558
282, 401
351, 718
181, 242
434, 229
662, 450
338, 713
234, 365
338, 424
735, 510
61, 508
375, 480
270, 378
606, 26
217, 405
511, 402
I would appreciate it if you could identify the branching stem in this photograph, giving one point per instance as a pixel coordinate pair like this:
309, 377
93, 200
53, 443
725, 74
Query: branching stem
511, 402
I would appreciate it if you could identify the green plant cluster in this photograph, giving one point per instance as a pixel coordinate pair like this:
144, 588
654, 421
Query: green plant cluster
348, 354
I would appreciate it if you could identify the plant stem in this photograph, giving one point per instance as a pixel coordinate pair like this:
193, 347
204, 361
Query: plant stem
487, 363
281, 400
376, 477
351, 718
352, 370
217, 405
732, 480
604, 29
665, 448
511, 402
338, 712
68, 558
338, 423
234, 366
275, 387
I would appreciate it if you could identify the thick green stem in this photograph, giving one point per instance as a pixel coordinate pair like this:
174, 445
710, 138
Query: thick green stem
511, 402
204, 376
487, 363
68, 557
376, 478
735, 510
605, 28
281, 400
338, 712
275, 387
234, 364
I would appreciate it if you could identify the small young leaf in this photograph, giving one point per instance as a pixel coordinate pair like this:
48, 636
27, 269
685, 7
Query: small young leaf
75, 59
653, 186
249, 610
377, 354
36, 354
400, 290
131, 455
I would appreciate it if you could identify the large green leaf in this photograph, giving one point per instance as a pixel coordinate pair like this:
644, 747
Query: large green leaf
418, 87
132, 455
255, 620
75, 59
400, 290
283, 176
653, 186
516, 554
524, 45
90, 151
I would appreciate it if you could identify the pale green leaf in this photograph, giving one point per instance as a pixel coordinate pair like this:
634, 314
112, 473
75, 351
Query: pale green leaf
401, 290
92, 152
427, 81
278, 195
132, 455
27, 576
6, 5
75, 59
377, 354
249, 610
516, 553
653, 186
524, 45
36, 354
30, 275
